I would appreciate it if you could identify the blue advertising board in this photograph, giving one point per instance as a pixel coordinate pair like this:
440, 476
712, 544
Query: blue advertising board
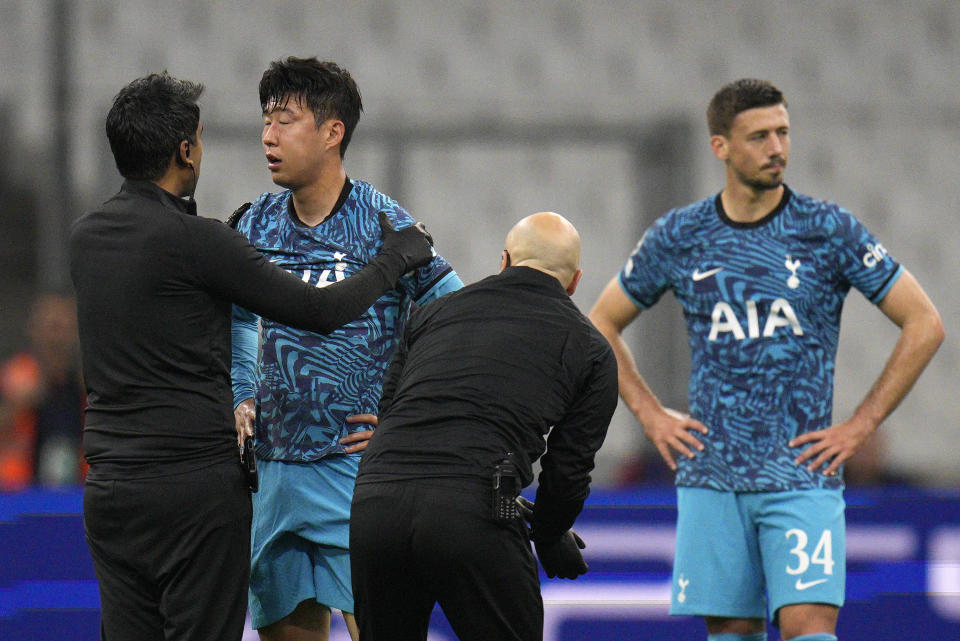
903, 570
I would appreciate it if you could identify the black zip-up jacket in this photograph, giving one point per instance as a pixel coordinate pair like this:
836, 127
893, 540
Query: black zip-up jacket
505, 365
154, 285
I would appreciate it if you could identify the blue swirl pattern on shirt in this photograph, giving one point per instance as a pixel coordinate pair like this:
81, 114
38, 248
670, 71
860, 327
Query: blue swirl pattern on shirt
762, 305
309, 383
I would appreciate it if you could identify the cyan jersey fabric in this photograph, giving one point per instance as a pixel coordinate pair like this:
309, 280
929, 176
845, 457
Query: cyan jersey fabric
762, 304
307, 383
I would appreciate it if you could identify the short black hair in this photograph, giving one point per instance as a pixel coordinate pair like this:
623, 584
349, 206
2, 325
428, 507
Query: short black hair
323, 87
740, 95
149, 119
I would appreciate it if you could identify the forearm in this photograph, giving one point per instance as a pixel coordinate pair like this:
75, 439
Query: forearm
231, 268
572, 446
243, 370
634, 390
920, 337
558, 503
338, 304
287, 300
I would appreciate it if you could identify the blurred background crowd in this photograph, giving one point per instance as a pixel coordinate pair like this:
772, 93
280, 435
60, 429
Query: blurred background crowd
477, 114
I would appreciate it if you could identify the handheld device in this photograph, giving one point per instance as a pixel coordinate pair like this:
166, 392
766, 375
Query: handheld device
506, 487
249, 460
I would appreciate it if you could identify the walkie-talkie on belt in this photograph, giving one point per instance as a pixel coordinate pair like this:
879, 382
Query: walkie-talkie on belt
506, 487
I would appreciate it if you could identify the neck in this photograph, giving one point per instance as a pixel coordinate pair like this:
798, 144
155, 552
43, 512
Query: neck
314, 202
172, 183
745, 204
532, 264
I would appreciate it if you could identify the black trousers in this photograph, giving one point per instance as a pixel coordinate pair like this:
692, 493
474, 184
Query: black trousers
417, 543
171, 554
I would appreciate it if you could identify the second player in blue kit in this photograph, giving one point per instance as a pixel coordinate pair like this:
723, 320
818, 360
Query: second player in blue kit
761, 273
314, 396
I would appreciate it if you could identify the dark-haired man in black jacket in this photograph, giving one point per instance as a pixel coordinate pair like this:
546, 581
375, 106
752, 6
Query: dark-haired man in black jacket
166, 504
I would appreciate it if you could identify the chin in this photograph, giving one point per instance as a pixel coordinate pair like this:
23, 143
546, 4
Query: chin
280, 180
766, 184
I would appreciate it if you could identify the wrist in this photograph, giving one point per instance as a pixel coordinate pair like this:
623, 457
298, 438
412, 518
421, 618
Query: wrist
394, 261
544, 536
647, 410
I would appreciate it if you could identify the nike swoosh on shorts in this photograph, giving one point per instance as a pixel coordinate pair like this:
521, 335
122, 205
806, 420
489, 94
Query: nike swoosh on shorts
800, 585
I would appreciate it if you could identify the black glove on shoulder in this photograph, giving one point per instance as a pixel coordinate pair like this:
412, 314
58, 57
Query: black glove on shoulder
413, 245
560, 558
234, 219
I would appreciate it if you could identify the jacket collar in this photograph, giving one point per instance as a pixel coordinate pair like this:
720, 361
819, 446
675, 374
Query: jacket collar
151, 190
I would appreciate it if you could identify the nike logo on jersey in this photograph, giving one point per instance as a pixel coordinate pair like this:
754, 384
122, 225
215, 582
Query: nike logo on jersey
699, 275
800, 585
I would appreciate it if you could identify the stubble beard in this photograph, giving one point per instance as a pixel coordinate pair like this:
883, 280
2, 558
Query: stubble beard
760, 182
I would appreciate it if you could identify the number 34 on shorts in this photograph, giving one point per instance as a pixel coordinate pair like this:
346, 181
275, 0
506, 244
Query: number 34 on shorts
778, 548
822, 555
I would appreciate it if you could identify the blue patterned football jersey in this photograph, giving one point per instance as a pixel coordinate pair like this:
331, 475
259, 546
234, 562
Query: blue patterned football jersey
762, 305
306, 384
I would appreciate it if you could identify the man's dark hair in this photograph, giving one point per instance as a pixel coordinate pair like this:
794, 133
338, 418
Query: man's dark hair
149, 119
325, 88
738, 96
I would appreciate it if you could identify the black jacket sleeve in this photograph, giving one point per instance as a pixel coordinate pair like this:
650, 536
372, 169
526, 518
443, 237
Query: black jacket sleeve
571, 447
392, 377
231, 268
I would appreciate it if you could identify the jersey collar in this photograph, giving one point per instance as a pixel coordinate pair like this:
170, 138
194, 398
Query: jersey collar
718, 203
344, 194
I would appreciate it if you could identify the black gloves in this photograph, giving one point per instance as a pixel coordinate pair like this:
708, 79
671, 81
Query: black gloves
560, 558
414, 245
234, 219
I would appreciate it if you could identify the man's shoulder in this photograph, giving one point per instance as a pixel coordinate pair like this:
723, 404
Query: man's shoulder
269, 203
816, 206
125, 205
364, 190
682, 223
825, 216
263, 212
367, 198
598, 342
692, 214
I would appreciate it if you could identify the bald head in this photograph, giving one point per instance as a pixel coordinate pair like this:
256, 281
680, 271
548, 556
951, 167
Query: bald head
548, 242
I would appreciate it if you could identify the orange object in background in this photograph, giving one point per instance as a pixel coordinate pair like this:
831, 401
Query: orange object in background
20, 381
42, 400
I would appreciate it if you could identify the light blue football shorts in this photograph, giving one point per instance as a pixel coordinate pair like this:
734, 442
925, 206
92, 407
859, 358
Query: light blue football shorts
736, 549
300, 537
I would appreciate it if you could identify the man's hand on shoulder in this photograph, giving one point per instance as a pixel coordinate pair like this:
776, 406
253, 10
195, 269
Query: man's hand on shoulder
234, 219
413, 244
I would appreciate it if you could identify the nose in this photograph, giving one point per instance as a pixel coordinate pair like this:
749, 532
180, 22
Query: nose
780, 144
774, 145
269, 136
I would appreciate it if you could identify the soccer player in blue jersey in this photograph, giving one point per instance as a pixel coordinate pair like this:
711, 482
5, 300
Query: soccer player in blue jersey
761, 273
311, 398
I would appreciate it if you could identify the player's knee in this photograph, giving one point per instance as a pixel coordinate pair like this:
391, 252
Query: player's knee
823, 636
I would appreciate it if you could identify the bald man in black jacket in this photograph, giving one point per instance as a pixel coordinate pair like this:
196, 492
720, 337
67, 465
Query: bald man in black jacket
486, 378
